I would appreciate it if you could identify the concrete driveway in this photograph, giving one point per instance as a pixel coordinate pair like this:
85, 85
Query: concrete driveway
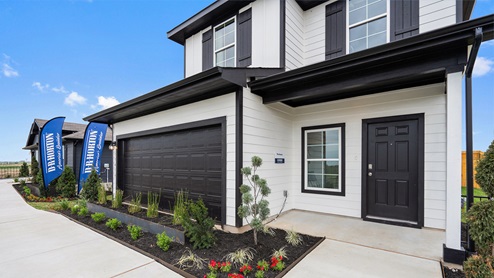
36, 243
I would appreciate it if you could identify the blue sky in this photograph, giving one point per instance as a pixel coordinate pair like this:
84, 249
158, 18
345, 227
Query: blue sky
73, 58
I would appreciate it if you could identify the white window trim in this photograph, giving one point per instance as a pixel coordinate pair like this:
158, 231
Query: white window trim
348, 26
226, 46
306, 161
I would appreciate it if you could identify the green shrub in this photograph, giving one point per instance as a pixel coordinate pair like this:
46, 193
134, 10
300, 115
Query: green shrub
293, 238
480, 219
135, 231
26, 190
98, 217
83, 211
74, 209
478, 267
485, 171
24, 170
117, 199
16, 179
180, 207
64, 204
163, 241
199, 227
23, 183
90, 187
135, 204
153, 203
101, 195
254, 208
34, 166
66, 183
113, 224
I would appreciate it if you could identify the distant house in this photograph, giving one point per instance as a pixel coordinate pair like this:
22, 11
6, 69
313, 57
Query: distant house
73, 136
362, 99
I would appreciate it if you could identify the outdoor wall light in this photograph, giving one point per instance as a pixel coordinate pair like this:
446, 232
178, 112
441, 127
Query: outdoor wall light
113, 146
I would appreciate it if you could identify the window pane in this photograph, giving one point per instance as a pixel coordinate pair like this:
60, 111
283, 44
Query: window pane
314, 181
377, 26
357, 15
230, 63
315, 167
377, 8
358, 45
229, 27
218, 43
230, 53
314, 152
314, 138
331, 136
331, 181
378, 39
358, 32
355, 4
220, 56
331, 167
331, 151
229, 38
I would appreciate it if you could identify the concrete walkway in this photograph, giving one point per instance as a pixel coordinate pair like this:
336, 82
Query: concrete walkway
36, 243
355, 248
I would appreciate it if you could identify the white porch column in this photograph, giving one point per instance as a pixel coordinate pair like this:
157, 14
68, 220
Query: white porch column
453, 160
114, 164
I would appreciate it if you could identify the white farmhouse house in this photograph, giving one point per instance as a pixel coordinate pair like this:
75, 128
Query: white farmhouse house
359, 101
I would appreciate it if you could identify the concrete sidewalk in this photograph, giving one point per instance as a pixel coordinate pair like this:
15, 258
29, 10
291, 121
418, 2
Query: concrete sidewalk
36, 243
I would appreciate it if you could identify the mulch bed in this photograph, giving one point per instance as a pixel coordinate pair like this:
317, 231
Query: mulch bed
225, 243
453, 272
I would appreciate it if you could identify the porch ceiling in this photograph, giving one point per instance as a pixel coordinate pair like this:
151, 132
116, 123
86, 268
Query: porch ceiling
415, 61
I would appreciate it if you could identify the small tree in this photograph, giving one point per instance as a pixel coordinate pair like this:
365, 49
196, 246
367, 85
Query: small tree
66, 183
254, 206
34, 166
480, 219
90, 187
24, 171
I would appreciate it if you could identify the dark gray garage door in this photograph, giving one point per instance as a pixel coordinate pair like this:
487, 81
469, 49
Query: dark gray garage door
186, 159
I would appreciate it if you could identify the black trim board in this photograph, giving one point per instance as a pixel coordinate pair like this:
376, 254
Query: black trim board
453, 255
342, 160
207, 84
239, 151
191, 125
421, 151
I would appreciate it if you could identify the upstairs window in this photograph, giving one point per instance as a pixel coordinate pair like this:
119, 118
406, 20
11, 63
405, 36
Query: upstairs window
367, 23
224, 44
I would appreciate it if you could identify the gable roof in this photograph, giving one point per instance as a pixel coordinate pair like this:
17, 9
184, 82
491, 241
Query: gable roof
71, 131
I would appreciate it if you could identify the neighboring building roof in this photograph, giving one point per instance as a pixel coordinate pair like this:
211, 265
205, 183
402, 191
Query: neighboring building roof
207, 84
72, 131
418, 60
221, 9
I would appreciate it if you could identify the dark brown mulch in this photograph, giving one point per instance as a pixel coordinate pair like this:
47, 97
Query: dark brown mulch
225, 243
453, 273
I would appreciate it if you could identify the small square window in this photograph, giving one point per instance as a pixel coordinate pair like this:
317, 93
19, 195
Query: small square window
323, 166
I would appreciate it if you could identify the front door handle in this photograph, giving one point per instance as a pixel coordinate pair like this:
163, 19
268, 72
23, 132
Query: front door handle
370, 174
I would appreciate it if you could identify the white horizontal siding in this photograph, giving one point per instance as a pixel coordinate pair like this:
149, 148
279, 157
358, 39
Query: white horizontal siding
193, 55
275, 127
434, 14
265, 33
315, 20
222, 106
294, 38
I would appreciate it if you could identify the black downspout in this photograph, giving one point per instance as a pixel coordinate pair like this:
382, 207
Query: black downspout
468, 120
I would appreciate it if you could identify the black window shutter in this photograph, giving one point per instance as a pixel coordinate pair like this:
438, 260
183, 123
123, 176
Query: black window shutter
404, 19
335, 29
244, 39
207, 50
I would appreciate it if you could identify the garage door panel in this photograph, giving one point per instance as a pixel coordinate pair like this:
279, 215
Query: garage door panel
188, 160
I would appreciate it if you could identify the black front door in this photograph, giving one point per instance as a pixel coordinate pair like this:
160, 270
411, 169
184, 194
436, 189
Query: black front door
391, 170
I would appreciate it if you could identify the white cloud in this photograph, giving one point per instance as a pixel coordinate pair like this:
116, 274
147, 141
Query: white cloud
8, 71
74, 98
107, 102
482, 66
40, 86
60, 89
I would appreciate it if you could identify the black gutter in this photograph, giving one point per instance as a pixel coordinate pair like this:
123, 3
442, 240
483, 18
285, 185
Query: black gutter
468, 120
